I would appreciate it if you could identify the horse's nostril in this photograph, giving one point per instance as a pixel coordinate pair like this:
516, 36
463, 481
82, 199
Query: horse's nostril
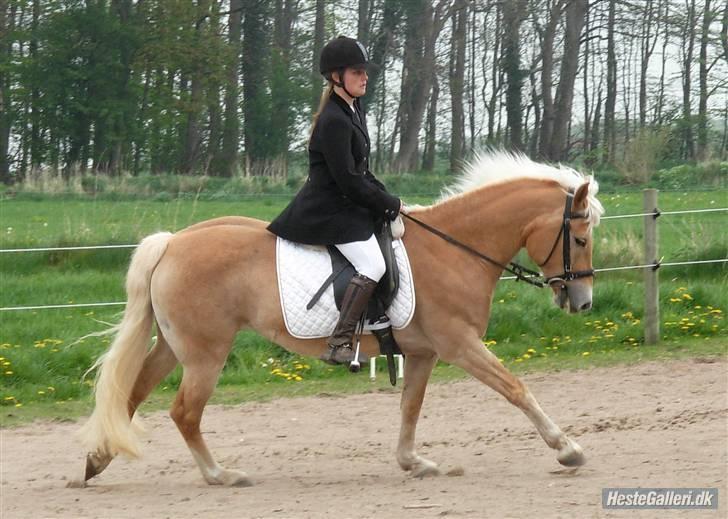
585, 306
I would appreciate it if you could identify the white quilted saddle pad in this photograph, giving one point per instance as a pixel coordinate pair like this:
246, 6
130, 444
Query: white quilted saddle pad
302, 269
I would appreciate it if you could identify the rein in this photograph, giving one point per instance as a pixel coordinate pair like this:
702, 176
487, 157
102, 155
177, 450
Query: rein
523, 273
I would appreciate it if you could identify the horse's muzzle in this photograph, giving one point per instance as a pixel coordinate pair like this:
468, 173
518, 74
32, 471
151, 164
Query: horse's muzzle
573, 297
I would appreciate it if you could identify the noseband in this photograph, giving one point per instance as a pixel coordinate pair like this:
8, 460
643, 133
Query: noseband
565, 231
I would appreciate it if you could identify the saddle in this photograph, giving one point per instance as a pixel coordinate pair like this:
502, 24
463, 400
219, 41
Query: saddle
341, 273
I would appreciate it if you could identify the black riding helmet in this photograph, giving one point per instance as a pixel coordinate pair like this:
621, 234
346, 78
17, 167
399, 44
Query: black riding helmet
339, 54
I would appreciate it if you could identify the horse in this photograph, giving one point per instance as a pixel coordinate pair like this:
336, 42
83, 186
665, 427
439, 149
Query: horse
200, 286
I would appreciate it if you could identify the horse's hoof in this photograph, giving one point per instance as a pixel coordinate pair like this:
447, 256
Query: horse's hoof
76, 483
425, 468
571, 456
232, 478
95, 465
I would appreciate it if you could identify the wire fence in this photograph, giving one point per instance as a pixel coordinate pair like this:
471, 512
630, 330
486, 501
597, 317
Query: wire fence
653, 266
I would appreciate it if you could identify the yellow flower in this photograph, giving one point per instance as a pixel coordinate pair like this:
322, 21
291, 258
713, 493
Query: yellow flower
687, 296
18, 405
585, 354
41, 392
531, 350
526, 356
8, 372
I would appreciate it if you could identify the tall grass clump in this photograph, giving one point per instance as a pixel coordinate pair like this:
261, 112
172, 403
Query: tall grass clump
642, 154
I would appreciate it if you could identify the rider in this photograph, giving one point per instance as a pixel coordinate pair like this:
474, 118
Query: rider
342, 203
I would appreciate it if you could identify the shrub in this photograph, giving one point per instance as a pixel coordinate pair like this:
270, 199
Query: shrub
706, 174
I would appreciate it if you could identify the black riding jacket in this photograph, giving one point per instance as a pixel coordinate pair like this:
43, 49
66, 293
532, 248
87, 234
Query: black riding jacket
341, 201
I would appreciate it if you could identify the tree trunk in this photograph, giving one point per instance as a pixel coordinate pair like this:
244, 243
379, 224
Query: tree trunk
702, 149
585, 84
231, 131
280, 85
495, 76
457, 84
575, 12
724, 32
363, 23
192, 138
318, 43
513, 16
428, 158
383, 41
687, 64
471, 79
424, 23
611, 101
661, 88
36, 151
547, 71
536, 101
256, 113
6, 110
647, 47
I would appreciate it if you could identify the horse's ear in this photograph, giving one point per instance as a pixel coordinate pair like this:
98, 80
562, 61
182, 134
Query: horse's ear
580, 197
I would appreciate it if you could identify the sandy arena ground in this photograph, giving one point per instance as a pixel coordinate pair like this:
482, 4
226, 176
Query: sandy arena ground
650, 425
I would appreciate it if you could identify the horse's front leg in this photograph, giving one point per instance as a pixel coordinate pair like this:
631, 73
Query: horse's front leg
474, 358
417, 370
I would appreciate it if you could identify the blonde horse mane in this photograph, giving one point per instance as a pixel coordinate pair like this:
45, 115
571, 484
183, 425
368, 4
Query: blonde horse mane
492, 167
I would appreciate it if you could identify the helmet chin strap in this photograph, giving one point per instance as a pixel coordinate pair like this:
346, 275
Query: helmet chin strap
341, 85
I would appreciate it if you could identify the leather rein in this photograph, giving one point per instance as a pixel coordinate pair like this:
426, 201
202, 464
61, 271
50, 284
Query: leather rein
523, 273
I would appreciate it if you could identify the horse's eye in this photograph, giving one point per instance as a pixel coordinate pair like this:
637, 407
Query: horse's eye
581, 242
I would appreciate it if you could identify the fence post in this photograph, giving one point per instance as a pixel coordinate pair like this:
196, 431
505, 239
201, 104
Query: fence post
652, 286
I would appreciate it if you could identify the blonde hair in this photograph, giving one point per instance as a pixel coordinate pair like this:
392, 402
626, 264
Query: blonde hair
325, 95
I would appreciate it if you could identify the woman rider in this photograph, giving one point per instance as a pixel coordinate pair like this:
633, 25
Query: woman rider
342, 203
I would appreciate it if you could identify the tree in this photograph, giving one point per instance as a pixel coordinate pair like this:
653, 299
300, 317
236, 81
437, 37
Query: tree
547, 36
318, 44
512, 19
231, 131
610, 136
7, 23
256, 102
457, 86
703, 70
575, 14
424, 23
688, 48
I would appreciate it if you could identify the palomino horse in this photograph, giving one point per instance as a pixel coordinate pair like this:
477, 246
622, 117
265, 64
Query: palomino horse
204, 284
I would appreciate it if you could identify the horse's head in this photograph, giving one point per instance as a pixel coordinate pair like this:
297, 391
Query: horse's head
561, 243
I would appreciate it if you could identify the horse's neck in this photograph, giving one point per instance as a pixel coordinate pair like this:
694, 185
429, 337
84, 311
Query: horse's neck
493, 219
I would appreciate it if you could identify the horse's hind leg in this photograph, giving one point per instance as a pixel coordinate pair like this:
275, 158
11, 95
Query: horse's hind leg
417, 371
483, 365
198, 382
158, 363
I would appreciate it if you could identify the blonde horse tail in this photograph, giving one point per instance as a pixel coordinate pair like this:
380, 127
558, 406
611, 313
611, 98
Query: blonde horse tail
109, 431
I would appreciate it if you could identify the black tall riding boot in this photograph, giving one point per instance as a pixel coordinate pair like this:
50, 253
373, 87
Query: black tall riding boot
355, 301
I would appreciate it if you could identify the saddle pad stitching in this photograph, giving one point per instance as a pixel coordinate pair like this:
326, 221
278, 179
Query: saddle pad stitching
295, 290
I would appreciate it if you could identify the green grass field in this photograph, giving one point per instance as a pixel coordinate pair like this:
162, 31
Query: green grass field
42, 364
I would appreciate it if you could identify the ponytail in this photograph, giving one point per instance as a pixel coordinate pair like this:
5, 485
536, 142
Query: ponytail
325, 95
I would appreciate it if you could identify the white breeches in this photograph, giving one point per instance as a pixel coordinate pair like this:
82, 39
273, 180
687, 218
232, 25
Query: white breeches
366, 256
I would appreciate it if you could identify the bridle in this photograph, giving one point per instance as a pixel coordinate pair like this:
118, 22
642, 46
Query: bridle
565, 231
519, 271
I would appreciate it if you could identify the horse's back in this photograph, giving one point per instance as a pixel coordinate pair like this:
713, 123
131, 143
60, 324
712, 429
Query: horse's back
242, 221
